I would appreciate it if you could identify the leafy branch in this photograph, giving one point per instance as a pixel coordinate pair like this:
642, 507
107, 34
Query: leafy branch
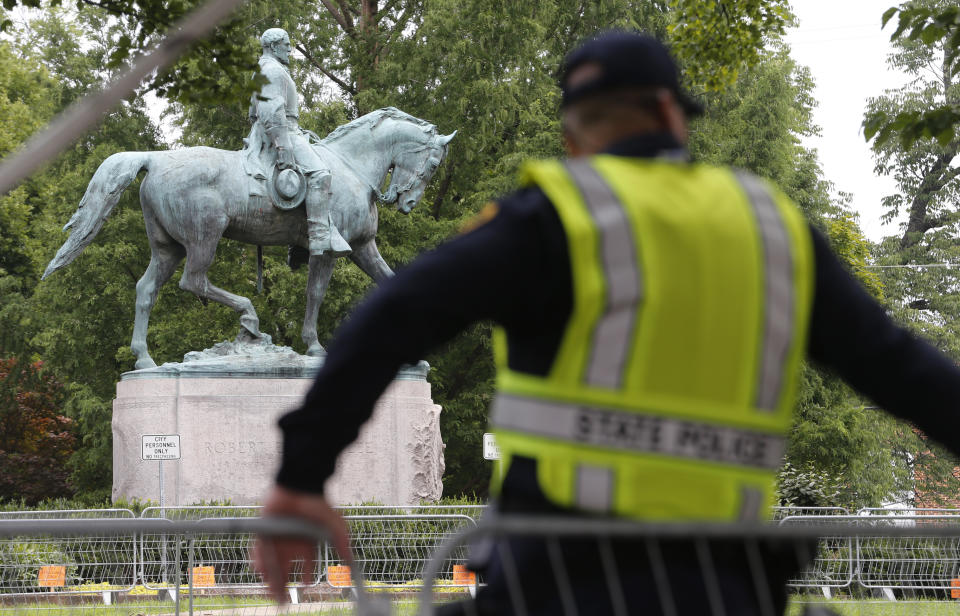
929, 26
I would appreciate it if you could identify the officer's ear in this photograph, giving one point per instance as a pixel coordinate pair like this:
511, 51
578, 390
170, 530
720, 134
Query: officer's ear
571, 146
671, 115
570, 142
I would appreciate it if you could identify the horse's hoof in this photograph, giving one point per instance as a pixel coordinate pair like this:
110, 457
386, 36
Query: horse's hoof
316, 350
145, 363
245, 335
251, 324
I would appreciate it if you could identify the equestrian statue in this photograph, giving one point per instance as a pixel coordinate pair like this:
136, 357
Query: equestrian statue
286, 187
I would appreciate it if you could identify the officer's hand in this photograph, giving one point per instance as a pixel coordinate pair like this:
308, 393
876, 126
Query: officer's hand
273, 557
285, 158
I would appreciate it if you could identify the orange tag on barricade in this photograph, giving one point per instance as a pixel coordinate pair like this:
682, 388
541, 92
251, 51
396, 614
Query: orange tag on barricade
52, 575
203, 576
339, 575
955, 589
463, 577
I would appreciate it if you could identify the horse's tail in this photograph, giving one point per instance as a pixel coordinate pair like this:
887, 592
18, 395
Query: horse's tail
103, 193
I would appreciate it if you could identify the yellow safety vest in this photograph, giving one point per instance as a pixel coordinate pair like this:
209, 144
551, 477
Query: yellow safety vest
673, 387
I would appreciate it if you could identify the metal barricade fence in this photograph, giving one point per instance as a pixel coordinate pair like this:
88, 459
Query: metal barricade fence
193, 586
227, 554
90, 563
927, 566
712, 589
393, 543
911, 555
66, 514
905, 565
780, 513
393, 549
473, 511
834, 564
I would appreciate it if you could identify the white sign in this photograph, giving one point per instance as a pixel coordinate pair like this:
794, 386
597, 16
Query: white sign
491, 451
160, 447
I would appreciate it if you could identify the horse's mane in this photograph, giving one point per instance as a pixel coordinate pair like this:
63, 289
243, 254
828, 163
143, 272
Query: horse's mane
374, 118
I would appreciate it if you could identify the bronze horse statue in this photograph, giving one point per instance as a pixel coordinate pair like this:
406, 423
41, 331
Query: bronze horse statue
192, 197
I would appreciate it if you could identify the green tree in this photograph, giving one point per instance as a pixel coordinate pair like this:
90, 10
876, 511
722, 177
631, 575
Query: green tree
930, 24
141, 24
914, 148
927, 189
78, 331
718, 39
925, 175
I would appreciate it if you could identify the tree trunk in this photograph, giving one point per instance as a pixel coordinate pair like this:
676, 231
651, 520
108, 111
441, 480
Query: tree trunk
937, 176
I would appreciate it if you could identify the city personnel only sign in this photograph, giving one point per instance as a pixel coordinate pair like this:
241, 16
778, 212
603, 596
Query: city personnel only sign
160, 447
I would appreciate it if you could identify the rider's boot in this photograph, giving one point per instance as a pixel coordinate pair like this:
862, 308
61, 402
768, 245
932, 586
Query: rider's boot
322, 235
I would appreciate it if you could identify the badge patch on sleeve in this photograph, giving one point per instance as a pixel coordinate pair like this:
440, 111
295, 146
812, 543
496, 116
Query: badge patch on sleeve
488, 213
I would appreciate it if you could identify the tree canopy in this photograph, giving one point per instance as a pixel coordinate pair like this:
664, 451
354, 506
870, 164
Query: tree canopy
930, 24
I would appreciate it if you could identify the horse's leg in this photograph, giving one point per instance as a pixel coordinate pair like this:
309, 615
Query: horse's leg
164, 258
368, 259
320, 269
199, 257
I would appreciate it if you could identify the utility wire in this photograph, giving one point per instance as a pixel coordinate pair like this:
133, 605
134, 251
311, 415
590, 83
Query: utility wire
910, 266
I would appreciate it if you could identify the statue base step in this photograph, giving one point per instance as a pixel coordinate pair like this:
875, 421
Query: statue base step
230, 444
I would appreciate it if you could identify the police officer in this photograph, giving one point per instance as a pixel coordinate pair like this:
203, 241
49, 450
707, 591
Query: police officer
276, 110
651, 317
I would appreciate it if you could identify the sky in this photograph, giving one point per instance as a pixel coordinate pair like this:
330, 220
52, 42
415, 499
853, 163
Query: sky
842, 44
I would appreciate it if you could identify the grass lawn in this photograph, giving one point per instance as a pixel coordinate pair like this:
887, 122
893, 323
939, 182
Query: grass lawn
877, 607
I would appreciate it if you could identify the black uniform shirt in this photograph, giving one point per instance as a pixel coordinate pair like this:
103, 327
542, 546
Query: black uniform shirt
514, 270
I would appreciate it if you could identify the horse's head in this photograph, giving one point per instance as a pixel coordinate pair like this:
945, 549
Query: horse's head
413, 169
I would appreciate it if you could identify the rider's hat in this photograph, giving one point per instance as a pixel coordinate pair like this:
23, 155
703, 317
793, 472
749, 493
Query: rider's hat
287, 188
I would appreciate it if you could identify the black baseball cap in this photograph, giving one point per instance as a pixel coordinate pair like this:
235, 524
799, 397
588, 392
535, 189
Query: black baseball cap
624, 59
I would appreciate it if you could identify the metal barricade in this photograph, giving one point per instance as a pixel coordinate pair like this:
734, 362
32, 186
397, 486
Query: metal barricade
780, 513
715, 591
929, 566
392, 543
393, 549
66, 514
228, 555
84, 564
834, 565
194, 587
473, 511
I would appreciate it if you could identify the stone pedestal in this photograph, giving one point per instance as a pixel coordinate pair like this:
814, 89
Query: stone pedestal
230, 443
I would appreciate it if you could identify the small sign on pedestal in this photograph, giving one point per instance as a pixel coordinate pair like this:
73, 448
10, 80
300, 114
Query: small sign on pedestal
491, 451
160, 447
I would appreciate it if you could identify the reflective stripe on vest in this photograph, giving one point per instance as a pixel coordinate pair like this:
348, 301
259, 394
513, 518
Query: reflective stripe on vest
613, 335
778, 292
638, 432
